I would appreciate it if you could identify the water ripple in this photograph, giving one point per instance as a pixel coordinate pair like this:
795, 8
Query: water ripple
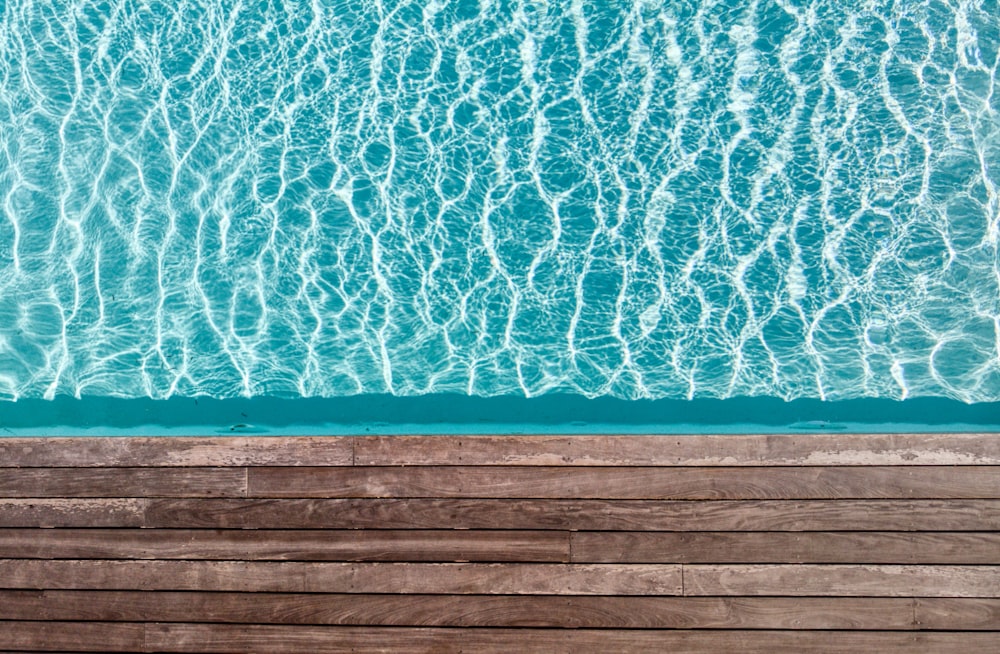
637, 199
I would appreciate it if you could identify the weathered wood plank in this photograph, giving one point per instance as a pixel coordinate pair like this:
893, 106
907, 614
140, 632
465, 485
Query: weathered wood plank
309, 545
583, 515
686, 450
75, 636
181, 637
696, 483
402, 578
843, 580
72, 512
958, 614
785, 547
176, 451
463, 611
122, 482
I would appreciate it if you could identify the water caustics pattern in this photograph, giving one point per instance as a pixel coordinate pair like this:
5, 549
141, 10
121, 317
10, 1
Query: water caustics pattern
791, 198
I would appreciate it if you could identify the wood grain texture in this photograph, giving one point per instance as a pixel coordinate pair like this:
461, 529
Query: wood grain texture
982, 614
583, 515
277, 545
175, 451
786, 547
72, 512
686, 450
463, 611
324, 640
295, 577
843, 580
122, 482
73, 636
694, 483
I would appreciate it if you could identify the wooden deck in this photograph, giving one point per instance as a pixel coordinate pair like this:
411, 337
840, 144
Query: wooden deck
783, 543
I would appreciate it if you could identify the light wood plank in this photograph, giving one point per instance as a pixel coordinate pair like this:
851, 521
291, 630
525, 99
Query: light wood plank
323, 640
401, 578
462, 610
122, 482
786, 547
72, 512
176, 451
685, 450
697, 483
583, 515
982, 614
843, 580
308, 545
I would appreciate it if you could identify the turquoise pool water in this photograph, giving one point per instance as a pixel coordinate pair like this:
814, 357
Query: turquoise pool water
633, 200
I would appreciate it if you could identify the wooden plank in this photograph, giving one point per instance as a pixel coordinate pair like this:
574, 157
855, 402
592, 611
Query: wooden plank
462, 611
402, 578
843, 580
583, 515
697, 483
176, 451
309, 545
181, 637
685, 450
785, 547
982, 614
72, 512
122, 482
75, 636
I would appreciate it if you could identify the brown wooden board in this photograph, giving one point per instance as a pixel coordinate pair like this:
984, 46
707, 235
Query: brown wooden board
309, 545
323, 640
958, 613
685, 450
464, 610
72, 512
843, 580
583, 515
401, 578
785, 547
696, 483
122, 482
175, 451
73, 636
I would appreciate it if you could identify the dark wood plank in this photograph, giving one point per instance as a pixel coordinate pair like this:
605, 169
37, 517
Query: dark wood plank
122, 482
176, 451
583, 515
72, 512
786, 547
697, 483
463, 611
75, 636
178, 637
843, 580
686, 450
402, 578
982, 614
309, 545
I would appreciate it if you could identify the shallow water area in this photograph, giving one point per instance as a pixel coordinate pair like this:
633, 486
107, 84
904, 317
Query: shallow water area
635, 200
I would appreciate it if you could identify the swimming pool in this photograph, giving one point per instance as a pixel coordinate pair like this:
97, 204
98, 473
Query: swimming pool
640, 201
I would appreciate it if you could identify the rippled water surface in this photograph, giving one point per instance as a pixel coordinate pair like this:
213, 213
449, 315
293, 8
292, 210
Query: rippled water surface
641, 199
